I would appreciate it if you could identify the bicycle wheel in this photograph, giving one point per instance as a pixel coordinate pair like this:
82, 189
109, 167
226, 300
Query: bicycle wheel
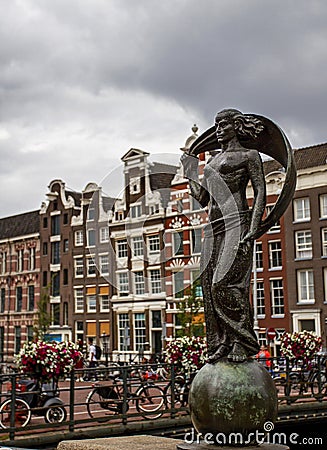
22, 413
103, 401
178, 392
149, 401
315, 385
55, 414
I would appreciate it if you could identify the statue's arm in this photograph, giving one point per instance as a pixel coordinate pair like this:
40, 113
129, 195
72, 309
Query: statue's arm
257, 177
198, 190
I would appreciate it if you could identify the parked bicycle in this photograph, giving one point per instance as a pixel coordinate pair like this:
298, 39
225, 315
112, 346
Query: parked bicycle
107, 400
180, 388
31, 398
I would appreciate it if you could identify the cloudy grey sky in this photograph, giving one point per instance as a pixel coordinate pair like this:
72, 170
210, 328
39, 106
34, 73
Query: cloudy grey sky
83, 81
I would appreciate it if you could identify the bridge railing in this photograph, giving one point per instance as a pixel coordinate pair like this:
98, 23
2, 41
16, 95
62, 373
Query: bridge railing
122, 394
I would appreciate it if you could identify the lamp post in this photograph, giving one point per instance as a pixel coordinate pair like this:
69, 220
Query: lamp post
105, 345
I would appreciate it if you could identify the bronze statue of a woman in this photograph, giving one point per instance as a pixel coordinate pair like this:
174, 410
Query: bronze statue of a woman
227, 250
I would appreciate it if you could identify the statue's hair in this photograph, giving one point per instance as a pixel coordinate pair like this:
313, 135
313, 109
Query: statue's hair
245, 125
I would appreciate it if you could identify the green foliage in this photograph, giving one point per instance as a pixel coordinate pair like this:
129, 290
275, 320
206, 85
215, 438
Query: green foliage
43, 320
190, 315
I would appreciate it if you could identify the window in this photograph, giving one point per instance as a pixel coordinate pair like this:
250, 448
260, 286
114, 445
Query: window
104, 234
104, 303
66, 245
154, 244
324, 241
20, 261
275, 254
123, 285
276, 227
122, 251
139, 283
277, 297
31, 258
178, 243
65, 277
91, 267
45, 222
79, 267
303, 244
19, 298
139, 331
45, 248
55, 314
79, 300
305, 284
137, 245
65, 314
196, 283
78, 238
55, 225
301, 209
259, 256
156, 319
307, 325
30, 333
104, 264
55, 253
65, 219
323, 206
91, 238
2, 300
135, 211
179, 284
154, 209
2, 339
3, 262
44, 278
90, 213
119, 215
91, 302
18, 339
56, 284
123, 332
30, 298
260, 299
155, 281
196, 236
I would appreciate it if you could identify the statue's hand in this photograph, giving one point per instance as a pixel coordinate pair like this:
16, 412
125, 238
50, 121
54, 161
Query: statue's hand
190, 165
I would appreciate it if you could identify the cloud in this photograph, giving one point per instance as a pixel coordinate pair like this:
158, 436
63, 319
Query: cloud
82, 82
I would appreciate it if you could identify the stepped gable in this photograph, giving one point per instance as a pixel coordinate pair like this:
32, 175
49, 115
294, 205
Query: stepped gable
20, 225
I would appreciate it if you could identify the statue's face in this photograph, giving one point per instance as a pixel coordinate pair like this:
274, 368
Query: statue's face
225, 130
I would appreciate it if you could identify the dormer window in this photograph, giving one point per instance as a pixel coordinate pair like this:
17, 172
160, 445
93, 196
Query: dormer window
136, 211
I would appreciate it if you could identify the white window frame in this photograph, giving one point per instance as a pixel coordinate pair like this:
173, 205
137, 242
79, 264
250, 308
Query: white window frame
139, 283
104, 303
78, 238
122, 284
121, 248
79, 300
124, 332
195, 275
259, 256
324, 241
104, 264
32, 258
307, 287
301, 214
195, 234
139, 331
104, 234
180, 243
91, 231
78, 265
153, 244
275, 251
135, 211
323, 206
303, 244
91, 302
155, 281
276, 226
277, 299
176, 275
138, 246
3, 262
20, 260
90, 265
261, 307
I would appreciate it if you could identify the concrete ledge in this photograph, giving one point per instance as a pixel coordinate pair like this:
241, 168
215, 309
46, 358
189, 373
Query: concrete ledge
142, 442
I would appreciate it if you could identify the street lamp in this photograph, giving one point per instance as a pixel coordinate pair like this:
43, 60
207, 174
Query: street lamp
105, 345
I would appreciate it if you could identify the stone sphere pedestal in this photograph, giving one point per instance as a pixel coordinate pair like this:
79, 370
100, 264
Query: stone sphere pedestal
228, 398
